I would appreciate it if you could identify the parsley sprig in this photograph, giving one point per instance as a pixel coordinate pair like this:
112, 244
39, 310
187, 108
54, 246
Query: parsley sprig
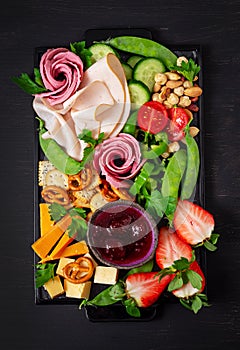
86, 136
188, 69
78, 227
85, 54
30, 85
44, 272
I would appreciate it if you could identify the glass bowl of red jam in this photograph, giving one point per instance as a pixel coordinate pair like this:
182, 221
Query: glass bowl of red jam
122, 234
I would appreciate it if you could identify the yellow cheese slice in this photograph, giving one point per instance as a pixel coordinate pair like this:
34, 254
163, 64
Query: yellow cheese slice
77, 290
62, 263
46, 223
45, 243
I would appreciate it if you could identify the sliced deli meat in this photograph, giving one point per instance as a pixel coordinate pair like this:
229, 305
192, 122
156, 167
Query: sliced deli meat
101, 104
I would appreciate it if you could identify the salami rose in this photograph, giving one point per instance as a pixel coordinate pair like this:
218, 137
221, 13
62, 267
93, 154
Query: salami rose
118, 159
61, 71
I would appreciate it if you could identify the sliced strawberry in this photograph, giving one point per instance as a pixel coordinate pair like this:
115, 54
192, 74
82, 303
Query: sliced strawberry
192, 223
145, 287
187, 290
170, 248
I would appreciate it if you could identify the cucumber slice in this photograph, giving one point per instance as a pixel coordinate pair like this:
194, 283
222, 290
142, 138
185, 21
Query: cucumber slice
133, 60
99, 51
128, 70
146, 69
139, 93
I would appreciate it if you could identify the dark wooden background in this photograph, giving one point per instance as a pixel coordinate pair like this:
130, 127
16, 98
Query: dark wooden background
29, 24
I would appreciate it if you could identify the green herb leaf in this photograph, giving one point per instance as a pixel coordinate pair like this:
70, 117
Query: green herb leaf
86, 136
189, 70
78, 228
44, 272
108, 296
28, 85
147, 267
78, 212
56, 211
85, 54
38, 78
131, 307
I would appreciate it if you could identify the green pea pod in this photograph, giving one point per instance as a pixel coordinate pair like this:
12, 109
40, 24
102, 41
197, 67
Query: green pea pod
108, 296
56, 155
192, 169
144, 47
172, 179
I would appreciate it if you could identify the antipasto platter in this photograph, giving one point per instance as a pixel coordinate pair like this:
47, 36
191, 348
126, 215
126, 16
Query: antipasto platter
120, 224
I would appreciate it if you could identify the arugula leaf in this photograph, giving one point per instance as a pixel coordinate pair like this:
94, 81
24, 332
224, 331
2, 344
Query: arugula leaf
28, 85
188, 69
44, 272
85, 54
56, 211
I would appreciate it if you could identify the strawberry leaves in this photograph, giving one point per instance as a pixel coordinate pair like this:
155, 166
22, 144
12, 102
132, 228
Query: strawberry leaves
195, 303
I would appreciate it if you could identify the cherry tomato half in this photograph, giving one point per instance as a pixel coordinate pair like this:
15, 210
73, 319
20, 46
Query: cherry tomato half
178, 116
178, 119
152, 117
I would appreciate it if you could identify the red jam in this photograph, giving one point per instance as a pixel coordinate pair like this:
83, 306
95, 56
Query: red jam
122, 235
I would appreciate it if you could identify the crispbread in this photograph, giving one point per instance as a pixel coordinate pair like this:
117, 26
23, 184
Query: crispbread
43, 167
56, 178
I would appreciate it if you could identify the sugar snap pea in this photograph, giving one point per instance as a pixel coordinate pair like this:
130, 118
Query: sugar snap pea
144, 47
172, 179
192, 168
56, 155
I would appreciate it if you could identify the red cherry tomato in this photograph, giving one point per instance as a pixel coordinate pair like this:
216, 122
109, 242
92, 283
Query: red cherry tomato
152, 117
178, 121
178, 116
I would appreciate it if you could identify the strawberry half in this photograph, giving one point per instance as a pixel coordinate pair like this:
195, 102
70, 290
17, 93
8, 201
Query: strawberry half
187, 290
170, 248
192, 223
145, 287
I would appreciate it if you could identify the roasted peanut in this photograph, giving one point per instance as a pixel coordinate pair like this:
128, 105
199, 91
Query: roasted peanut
160, 78
184, 101
173, 99
172, 76
156, 87
193, 131
187, 84
172, 84
173, 147
179, 91
193, 91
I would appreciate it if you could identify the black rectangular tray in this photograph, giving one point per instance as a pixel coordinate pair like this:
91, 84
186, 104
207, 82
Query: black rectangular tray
117, 312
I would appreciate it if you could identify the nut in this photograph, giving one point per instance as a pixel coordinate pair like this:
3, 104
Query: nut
173, 147
184, 101
172, 76
180, 59
172, 84
179, 91
155, 97
173, 99
156, 87
193, 131
187, 84
193, 91
165, 92
160, 78
167, 104
165, 155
